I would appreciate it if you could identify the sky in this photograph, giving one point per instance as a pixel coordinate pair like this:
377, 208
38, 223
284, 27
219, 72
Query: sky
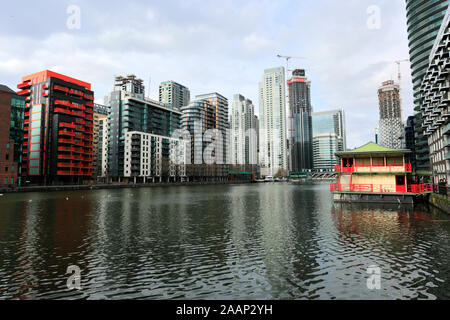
349, 47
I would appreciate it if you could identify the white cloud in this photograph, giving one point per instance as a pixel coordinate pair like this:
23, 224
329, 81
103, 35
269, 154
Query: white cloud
220, 46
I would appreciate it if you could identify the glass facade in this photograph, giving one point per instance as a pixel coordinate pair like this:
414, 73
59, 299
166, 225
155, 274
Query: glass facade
16, 126
131, 113
424, 18
329, 137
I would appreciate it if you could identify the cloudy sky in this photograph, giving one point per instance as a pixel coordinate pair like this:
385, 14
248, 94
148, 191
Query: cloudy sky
213, 45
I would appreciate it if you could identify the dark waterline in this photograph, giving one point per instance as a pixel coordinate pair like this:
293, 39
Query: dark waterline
267, 241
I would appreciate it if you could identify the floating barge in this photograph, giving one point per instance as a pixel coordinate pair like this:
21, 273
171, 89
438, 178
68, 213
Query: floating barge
373, 173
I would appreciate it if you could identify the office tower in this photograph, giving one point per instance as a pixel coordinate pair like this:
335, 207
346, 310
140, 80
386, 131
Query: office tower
257, 141
131, 112
12, 107
435, 103
329, 137
243, 132
174, 94
300, 122
424, 18
410, 143
377, 134
58, 129
391, 126
272, 117
100, 123
131, 84
197, 118
220, 105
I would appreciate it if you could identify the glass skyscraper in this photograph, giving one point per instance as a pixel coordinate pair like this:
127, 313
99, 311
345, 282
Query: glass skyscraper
424, 20
329, 137
300, 123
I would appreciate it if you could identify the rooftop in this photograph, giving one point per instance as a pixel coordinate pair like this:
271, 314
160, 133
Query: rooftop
372, 148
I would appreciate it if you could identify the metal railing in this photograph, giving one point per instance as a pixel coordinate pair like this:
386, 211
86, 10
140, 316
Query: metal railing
390, 188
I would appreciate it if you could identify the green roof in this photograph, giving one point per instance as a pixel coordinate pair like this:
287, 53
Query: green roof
372, 148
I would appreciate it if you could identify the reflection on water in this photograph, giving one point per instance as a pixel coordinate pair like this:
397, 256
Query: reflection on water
268, 241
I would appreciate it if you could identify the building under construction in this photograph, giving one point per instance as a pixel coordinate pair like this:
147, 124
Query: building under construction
300, 122
391, 125
130, 83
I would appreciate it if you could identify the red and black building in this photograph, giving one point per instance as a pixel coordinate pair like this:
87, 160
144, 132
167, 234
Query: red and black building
58, 129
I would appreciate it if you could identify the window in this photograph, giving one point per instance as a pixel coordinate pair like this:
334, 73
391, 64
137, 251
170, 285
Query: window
7, 157
6, 169
7, 145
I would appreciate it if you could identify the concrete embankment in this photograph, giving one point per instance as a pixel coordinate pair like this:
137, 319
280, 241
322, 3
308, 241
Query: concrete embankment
110, 186
440, 202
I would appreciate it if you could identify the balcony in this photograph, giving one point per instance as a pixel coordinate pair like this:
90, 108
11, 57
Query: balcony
62, 103
61, 88
68, 141
76, 92
66, 133
89, 97
397, 168
67, 125
24, 93
24, 85
446, 129
78, 106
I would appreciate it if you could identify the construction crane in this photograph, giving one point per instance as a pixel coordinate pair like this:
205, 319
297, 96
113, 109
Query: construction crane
399, 62
399, 69
287, 60
291, 114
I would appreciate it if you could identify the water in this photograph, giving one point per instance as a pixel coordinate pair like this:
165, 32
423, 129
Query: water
266, 241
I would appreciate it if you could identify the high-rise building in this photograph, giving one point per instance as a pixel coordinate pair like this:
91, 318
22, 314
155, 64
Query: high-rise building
272, 117
300, 122
174, 94
377, 134
132, 112
410, 143
435, 103
197, 118
329, 137
131, 84
12, 108
243, 132
58, 129
154, 157
100, 123
220, 105
424, 18
391, 125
